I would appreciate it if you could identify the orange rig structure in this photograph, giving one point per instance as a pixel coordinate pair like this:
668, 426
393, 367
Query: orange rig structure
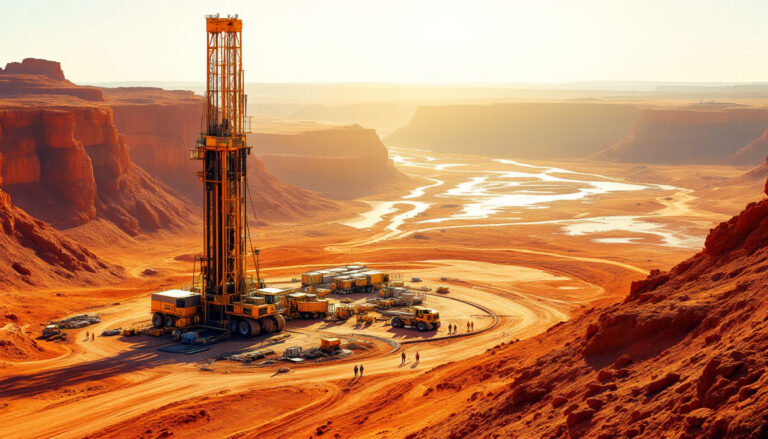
222, 296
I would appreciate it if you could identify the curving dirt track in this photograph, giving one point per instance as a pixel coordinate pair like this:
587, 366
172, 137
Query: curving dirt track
109, 386
142, 379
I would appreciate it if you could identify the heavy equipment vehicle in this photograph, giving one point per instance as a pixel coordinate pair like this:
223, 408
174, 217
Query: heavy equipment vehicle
419, 317
330, 344
226, 298
53, 332
305, 306
364, 319
343, 312
175, 309
442, 290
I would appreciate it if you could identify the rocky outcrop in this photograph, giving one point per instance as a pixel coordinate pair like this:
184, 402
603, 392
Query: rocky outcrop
341, 162
161, 126
34, 253
39, 82
67, 165
34, 66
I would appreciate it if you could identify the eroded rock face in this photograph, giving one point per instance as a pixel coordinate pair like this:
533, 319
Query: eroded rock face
36, 253
35, 66
69, 154
161, 127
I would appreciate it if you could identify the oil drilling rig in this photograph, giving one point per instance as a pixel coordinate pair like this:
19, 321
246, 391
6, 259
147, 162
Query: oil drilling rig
225, 297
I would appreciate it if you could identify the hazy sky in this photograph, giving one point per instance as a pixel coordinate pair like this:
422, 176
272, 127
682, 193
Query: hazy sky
400, 41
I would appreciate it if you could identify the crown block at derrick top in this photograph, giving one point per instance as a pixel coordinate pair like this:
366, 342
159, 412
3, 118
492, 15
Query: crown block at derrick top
224, 24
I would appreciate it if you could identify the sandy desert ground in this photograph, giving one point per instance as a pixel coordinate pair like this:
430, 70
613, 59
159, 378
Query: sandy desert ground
523, 245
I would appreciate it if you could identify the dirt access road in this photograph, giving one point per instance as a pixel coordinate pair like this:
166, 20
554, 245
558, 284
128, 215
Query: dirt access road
110, 380
515, 255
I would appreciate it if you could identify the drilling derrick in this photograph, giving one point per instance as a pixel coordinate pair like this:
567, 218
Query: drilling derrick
221, 296
222, 148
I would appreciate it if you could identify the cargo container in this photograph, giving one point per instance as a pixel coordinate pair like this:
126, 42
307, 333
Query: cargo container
305, 306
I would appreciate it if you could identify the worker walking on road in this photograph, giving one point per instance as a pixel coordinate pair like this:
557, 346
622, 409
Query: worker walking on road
417, 357
361, 371
450, 326
86, 335
472, 325
355, 370
93, 335
467, 326
402, 358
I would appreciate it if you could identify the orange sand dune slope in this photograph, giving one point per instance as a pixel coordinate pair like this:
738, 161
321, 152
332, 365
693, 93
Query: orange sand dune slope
682, 356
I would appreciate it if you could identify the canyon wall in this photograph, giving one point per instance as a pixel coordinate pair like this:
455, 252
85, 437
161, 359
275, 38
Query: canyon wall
34, 81
673, 134
341, 162
678, 136
68, 165
161, 126
520, 130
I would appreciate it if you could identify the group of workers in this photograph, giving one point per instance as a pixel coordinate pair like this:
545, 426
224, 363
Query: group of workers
402, 357
360, 369
92, 334
453, 327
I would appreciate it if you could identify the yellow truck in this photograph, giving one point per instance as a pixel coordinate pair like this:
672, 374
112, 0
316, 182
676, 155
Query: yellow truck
305, 306
419, 317
257, 313
254, 314
343, 312
175, 309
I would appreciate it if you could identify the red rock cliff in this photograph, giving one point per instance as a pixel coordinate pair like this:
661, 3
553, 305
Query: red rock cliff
161, 127
70, 164
34, 66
